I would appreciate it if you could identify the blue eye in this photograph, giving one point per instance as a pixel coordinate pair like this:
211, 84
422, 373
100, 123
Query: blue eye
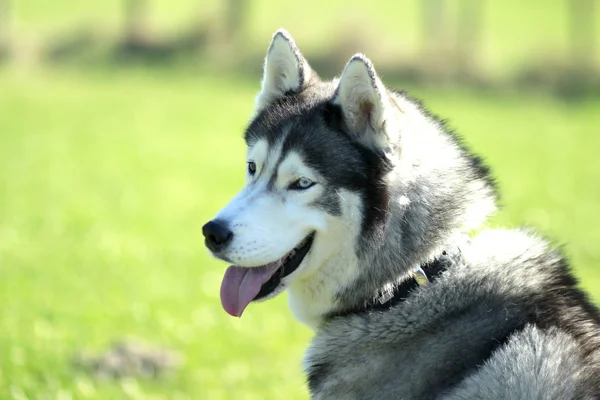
302, 184
251, 168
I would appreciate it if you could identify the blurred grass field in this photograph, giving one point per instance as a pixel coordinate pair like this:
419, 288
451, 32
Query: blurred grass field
106, 180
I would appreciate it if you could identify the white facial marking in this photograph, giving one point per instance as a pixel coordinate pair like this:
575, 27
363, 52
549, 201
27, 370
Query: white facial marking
333, 264
258, 154
268, 222
293, 168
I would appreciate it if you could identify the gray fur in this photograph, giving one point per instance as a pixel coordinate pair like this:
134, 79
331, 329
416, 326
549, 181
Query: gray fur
505, 321
538, 364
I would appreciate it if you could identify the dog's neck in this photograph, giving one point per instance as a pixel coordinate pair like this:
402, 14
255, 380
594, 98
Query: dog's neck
421, 276
352, 279
319, 299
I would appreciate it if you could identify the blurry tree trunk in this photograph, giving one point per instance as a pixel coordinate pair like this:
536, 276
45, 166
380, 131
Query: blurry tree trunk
4, 25
235, 14
435, 27
582, 33
135, 20
469, 33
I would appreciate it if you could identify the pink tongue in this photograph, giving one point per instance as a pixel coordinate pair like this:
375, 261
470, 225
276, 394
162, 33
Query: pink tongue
241, 285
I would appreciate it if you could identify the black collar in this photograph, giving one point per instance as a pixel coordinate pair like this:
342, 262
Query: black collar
384, 301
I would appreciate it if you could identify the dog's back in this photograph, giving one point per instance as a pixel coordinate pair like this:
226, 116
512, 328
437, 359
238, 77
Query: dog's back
504, 321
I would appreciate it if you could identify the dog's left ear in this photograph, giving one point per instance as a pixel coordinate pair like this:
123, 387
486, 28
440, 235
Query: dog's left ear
285, 70
366, 105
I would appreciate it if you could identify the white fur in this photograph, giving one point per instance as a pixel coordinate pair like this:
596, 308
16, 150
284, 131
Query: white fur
293, 168
257, 154
331, 268
268, 223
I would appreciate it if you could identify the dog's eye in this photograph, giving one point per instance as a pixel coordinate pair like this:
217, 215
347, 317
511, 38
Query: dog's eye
302, 184
251, 167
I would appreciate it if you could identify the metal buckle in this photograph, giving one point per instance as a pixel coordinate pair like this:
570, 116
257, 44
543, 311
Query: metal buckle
420, 276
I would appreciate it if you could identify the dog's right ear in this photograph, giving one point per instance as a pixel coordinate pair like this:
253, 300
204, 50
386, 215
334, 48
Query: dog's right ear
285, 70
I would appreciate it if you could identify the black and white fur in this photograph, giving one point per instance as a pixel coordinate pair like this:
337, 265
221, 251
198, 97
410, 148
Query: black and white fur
394, 190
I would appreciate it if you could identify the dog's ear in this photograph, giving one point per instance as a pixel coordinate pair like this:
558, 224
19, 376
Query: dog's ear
285, 70
366, 106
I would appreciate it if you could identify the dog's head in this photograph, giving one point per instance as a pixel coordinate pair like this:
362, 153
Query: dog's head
317, 154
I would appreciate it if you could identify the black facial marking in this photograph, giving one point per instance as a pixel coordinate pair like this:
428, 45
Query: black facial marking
330, 203
316, 130
270, 123
273, 177
376, 195
334, 154
333, 117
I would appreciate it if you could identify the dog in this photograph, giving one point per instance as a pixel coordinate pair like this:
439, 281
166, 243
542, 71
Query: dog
360, 204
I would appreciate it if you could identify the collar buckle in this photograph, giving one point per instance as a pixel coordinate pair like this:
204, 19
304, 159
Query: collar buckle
419, 275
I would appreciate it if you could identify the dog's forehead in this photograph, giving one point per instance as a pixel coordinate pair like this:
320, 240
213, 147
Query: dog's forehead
305, 106
287, 128
273, 124
301, 140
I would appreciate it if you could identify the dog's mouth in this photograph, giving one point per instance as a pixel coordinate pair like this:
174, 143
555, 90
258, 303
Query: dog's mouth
242, 285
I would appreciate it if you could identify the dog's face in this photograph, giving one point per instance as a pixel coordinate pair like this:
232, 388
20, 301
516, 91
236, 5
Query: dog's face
314, 167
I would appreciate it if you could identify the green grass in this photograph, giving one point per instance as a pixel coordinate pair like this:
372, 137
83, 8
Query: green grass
107, 178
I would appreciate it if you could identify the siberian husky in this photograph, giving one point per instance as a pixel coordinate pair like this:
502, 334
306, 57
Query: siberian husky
358, 202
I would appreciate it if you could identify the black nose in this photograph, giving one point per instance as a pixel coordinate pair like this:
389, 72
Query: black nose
217, 236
